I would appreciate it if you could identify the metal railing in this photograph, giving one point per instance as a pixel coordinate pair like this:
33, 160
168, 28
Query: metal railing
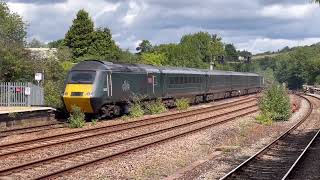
20, 94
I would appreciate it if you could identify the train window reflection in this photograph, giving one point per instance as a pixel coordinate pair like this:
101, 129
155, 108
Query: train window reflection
81, 77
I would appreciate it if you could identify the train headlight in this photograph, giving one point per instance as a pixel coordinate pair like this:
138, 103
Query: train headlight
65, 93
89, 94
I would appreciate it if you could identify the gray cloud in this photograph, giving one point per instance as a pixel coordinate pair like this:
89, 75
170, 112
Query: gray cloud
37, 1
163, 21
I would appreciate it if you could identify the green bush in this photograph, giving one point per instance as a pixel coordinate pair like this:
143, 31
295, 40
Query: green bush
136, 110
182, 104
76, 119
155, 107
52, 96
275, 104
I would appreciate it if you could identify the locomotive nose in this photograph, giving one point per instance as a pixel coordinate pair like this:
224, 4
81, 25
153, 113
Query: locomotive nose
78, 95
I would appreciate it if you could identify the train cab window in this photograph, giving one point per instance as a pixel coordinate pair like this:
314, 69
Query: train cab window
81, 77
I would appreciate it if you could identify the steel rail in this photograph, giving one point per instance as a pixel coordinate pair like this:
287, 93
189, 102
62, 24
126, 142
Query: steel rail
127, 123
21, 166
294, 166
264, 149
113, 131
301, 155
66, 170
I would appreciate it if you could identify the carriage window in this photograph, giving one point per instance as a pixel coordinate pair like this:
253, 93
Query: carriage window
176, 80
171, 80
155, 80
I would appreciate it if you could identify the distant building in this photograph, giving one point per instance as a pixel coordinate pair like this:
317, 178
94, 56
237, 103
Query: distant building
43, 52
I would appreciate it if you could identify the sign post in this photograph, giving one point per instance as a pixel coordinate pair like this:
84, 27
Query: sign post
38, 77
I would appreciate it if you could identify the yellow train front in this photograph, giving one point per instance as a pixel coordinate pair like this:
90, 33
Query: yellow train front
83, 87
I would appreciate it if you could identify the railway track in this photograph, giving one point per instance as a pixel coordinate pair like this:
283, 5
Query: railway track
63, 163
31, 129
33, 144
278, 159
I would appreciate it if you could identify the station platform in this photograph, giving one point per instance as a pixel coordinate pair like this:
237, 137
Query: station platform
13, 116
8, 110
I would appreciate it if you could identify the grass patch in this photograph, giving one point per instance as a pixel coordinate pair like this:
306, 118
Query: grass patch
182, 104
264, 119
155, 107
77, 118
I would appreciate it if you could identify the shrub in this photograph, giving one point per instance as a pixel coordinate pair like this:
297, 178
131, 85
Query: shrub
182, 103
136, 110
52, 94
275, 104
76, 119
155, 107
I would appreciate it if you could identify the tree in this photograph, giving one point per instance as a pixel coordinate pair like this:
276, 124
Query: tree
102, 46
201, 43
216, 47
144, 47
35, 43
12, 27
79, 36
56, 44
14, 64
231, 52
156, 59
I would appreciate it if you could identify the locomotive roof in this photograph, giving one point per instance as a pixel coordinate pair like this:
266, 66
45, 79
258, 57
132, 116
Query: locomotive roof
105, 65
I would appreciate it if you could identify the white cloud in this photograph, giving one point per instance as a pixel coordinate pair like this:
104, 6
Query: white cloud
135, 9
288, 11
262, 44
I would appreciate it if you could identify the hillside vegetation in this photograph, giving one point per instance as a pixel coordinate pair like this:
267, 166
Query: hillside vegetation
295, 66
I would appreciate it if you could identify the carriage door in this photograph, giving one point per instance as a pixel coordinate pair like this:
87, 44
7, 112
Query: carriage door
154, 84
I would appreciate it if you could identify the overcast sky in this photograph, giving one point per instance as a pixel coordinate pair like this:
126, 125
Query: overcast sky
254, 25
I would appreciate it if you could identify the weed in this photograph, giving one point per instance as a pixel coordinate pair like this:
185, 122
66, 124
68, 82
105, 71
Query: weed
125, 117
136, 110
244, 128
182, 104
94, 121
12, 115
76, 119
155, 107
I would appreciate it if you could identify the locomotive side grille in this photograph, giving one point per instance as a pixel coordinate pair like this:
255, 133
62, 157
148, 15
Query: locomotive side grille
76, 93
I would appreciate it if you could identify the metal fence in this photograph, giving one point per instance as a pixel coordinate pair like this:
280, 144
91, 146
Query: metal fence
20, 94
